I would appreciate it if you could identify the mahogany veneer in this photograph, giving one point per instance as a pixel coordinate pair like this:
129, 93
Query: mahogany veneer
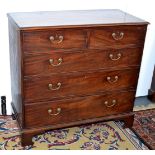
78, 84
86, 60
73, 67
79, 108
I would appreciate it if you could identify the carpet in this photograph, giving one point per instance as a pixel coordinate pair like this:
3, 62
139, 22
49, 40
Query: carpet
144, 126
98, 136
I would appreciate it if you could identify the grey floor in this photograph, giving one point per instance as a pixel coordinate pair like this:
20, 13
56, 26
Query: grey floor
142, 101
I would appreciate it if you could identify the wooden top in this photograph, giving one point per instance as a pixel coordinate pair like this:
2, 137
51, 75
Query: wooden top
77, 18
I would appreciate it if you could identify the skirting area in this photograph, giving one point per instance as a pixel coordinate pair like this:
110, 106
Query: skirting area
143, 103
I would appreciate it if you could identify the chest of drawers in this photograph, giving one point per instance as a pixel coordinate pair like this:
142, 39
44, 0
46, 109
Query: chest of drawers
73, 67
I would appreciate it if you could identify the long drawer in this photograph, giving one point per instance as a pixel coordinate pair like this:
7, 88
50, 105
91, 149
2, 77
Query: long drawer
77, 84
63, 111
52, 62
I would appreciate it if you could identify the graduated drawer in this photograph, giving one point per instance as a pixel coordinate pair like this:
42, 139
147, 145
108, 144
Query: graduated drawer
62, 62
81, 108
78, 84
36, 41
117, 37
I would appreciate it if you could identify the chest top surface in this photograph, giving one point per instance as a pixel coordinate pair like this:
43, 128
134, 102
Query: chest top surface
73, 18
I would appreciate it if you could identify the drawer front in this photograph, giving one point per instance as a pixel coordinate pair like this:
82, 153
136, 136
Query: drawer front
59, 112
60, 62
117, 37
78, 84
46, 40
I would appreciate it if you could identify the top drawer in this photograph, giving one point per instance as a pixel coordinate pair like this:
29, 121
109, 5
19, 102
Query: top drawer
93, 38
117, 37
54, 39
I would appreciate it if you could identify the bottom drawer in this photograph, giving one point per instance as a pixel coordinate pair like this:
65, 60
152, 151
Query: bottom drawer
80, 108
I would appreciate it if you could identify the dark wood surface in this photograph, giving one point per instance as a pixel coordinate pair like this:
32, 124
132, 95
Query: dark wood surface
151, 93
79, 60
78, 84
78, 109
96, 38
102, 38
74, 18
16, 71
100, 61
40, 40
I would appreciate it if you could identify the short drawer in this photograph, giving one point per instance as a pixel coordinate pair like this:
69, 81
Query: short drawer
78, 84
62, 62
63, 111
36, 41
117, 37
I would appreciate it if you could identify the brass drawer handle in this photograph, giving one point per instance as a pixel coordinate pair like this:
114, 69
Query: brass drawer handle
57, 39
111, 56
54, 114
51, 61
107, 104
50, 86
109, 79
118, 35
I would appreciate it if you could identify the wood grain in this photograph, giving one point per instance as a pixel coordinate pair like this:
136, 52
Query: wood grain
102, 38
84, 60
40, 40
78, 109
36, 88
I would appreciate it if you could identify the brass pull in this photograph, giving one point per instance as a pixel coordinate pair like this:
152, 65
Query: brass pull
107, 104
112, 81
57, 39
50, 86
118, 35
111, 56
51, 61
54, 114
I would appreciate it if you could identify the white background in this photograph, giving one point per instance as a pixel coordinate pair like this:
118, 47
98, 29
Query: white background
140, 8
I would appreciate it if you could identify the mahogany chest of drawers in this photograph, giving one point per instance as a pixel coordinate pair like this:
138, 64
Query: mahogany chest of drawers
73, 67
